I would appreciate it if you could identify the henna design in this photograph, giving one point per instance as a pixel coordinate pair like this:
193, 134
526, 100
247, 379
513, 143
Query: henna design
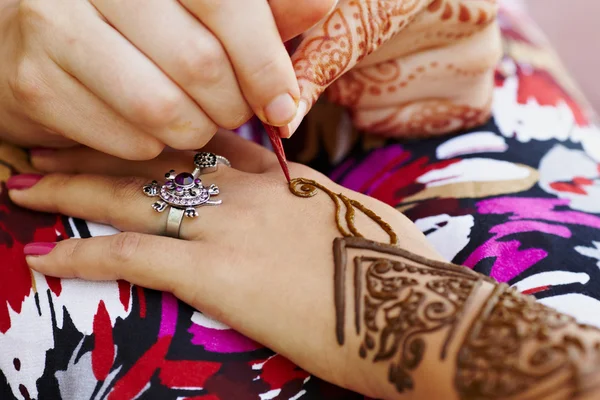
514, 348
359, 87
401, 301
516, 345
511, 348
464, 11
303, 187
353, 31
427, 118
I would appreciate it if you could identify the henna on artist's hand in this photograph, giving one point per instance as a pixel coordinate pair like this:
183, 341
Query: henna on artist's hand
409, 68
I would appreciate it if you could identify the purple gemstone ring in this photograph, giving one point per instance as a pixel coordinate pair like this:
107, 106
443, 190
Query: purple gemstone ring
182, 194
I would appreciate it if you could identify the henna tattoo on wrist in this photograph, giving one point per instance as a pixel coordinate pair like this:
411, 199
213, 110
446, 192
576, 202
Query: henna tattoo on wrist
519, 348
398, 303
402, 309
512, 348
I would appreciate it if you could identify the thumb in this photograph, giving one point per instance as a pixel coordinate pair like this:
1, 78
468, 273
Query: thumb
352, 31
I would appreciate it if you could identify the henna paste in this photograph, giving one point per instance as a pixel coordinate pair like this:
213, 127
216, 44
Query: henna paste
415, 297
302, 187
512, 347
517, 344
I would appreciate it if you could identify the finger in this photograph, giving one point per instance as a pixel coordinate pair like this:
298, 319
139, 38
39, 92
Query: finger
442, 23
450, 72
84, 160
244, 155
86, 119
116, 201
118, 73
140, 259
188, 52
200, 274
349, 34
425, 118
294, 17
254, 46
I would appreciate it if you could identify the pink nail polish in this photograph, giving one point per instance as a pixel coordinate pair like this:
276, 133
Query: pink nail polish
24, 181
41, 152
38, 249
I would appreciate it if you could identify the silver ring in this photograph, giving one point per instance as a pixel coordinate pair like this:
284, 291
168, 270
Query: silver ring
183, 193
207, 163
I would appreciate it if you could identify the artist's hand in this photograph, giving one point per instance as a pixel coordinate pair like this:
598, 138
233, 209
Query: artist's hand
262, 262
129, 77
405, 67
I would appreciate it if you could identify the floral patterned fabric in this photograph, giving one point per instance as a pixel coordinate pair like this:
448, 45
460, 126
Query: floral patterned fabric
517, 199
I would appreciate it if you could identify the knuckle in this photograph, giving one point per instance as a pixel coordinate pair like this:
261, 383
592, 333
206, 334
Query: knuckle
72, 253
27, 83
157, 112
124, 246
32, 12
148, 150
194, 139
57, 183
238, 119
126, 188
203, 64
269, 66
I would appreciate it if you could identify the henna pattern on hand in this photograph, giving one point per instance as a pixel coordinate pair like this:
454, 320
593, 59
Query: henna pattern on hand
398, 303
381, 92
427, 118
303, 187
505, 345
515, 346
352, 32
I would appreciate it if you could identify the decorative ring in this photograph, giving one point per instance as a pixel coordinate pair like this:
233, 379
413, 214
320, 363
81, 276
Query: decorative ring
183, 193
207, 163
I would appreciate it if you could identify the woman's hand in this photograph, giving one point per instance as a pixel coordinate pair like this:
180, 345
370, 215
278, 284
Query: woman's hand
405, 67
129, 77
382, 320
262, 262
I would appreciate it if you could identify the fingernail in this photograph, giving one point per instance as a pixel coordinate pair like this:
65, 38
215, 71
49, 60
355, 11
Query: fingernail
281, 110
288, 130
21, 182
38, 249
41, 152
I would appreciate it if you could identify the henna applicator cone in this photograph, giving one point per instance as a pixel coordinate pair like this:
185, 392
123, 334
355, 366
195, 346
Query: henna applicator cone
275, 139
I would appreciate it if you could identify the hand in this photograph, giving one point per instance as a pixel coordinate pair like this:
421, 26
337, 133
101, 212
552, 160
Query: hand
405, 68
262, 246
364, 315
129, 77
